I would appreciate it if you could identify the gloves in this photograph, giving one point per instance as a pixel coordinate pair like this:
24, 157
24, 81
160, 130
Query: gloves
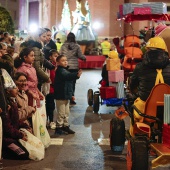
116, 41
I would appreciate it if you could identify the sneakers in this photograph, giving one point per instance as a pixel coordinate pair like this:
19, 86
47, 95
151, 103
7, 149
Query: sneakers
53, 125
68, 130
60, 131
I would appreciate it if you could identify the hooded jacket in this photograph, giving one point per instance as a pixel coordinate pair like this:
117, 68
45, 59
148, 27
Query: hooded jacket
144, 75
40, 60
73, 52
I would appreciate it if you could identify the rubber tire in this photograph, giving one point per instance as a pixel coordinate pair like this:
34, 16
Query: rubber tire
90, 97
138, 155
96, 102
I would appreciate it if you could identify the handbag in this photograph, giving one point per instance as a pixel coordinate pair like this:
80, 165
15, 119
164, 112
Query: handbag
39, 129
33, 145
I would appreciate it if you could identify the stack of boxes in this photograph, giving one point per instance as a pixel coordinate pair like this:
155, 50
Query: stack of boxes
116, 80
142, 8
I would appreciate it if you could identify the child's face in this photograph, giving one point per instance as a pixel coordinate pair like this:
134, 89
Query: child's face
13, 92
63, 62
30, 58
53, 57
21, 83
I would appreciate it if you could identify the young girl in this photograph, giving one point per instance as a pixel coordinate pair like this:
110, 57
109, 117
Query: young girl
25, 61
63, 90
50, 105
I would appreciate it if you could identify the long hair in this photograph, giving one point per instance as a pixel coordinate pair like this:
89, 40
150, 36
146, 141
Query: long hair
19, 60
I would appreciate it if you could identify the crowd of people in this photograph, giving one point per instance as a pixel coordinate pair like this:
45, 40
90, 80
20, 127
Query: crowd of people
27, 67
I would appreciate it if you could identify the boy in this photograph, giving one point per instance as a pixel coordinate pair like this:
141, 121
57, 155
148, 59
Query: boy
63, 90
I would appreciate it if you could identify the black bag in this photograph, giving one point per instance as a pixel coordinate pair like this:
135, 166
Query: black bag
137, 153
117, 134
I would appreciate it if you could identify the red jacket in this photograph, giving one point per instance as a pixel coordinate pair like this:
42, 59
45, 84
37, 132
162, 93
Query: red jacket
52, 76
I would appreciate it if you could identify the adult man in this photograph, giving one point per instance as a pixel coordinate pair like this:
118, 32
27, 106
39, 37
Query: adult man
105, 47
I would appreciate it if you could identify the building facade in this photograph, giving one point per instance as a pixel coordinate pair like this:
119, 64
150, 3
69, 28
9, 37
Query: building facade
47, 13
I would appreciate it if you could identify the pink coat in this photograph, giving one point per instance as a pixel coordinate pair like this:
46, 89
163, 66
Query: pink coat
32, 79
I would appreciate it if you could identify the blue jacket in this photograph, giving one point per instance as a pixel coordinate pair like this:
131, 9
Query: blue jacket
63, 83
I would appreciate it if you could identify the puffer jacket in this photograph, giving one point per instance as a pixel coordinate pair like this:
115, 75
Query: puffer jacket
73, 52
144, 75
39, 61
63, 83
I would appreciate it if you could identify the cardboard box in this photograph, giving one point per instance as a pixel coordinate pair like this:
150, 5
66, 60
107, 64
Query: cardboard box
113, 64
116, 76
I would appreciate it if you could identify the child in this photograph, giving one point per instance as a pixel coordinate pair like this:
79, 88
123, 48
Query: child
50, 105
63, 90
25, 61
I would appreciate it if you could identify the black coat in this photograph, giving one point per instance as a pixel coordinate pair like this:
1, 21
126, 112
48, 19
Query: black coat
144, 75
63, 83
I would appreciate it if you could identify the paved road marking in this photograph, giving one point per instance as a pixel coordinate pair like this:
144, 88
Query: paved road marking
56, 141
105, 141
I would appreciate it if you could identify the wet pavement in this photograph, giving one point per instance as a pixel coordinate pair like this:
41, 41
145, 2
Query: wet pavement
88, 148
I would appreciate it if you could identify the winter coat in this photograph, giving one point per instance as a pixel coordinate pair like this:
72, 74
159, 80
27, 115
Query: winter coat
32, 80
39, 61
73, 52
63, 83
144, 75
24, 111
52, 77
11, 124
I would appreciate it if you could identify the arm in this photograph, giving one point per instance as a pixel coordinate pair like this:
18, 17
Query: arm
134, 81
39, 59
80, 55
67, 76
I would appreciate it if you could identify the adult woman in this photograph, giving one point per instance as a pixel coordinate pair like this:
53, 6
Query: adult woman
24, 111
36, 42
72, 51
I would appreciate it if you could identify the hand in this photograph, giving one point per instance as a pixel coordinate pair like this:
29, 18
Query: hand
41, 96
9, 107
48, 81
34, 109
30, 130
79, 73
25, 137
